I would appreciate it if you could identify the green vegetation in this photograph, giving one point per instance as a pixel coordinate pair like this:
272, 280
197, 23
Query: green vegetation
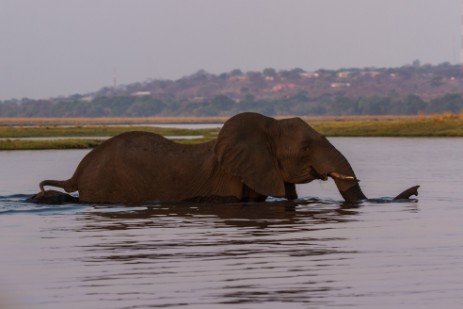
412, 127
15, 144
293, 103
12, 138
445, 125
12, 144
97, 131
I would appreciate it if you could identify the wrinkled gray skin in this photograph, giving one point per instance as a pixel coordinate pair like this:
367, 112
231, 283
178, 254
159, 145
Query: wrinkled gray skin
253, 157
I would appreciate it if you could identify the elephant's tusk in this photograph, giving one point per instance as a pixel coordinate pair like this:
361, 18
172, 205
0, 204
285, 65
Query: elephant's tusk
338, 176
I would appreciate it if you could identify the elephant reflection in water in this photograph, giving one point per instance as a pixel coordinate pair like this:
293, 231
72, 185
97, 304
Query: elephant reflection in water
253, 157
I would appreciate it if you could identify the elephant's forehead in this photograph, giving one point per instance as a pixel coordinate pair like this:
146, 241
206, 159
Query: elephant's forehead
299, 130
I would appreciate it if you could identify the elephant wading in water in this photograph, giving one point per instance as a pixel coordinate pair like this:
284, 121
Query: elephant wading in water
253, 157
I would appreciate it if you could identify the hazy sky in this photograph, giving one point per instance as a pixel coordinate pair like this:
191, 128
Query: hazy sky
62, 47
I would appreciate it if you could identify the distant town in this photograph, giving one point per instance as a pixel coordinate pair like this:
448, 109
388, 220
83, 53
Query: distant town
408, 90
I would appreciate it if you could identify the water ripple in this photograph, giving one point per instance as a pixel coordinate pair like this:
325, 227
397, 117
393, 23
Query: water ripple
17, 204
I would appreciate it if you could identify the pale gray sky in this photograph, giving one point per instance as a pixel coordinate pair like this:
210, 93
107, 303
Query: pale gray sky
61, 47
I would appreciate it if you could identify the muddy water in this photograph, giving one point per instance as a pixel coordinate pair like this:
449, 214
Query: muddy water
316, 253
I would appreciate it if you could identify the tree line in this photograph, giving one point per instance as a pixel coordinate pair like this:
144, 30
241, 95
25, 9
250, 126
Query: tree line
222, 105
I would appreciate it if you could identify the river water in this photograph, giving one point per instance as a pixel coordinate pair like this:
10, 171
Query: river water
318, 253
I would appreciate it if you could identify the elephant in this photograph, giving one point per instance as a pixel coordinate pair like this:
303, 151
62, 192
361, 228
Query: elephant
252, 158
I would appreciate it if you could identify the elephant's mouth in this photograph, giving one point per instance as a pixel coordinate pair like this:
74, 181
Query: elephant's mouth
317, 175
335, 175
307, 176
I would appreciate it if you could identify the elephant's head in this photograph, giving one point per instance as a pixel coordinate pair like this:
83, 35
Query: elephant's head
267, 153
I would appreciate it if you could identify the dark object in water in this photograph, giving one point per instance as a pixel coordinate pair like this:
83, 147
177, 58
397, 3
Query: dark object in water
407, 193
52, 197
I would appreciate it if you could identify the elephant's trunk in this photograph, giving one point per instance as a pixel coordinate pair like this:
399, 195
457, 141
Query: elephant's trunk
337, 167
350, 190
345, 179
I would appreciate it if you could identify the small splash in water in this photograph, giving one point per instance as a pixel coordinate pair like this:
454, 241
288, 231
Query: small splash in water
17, 204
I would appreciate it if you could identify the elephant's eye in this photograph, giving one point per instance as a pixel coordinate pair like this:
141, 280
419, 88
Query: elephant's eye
306, 147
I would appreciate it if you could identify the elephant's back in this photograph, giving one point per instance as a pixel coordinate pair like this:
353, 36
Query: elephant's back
138, 139
133, 167
128, 142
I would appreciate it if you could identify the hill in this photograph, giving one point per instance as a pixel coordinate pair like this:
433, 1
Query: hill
408, 90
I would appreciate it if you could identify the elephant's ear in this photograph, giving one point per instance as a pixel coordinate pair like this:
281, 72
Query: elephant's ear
245, 148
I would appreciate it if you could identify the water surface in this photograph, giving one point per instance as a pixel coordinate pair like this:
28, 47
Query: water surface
316, 253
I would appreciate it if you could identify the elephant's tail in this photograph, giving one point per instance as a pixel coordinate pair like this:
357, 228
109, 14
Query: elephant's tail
68, 185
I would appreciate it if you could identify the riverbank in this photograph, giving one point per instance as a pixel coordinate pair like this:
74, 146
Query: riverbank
72, 133
446, 125
64, 137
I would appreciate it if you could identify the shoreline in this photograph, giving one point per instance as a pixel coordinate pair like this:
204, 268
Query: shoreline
66, 133
140, 121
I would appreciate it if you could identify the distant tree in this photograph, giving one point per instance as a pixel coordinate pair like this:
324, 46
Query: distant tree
411, 105
144, 107
222, 103
224, 76
293, 74
236, 72
301, 97
248, 98
254, 76
452, 103
316, 109
343, 105
406, 72
374, 105
270, 72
